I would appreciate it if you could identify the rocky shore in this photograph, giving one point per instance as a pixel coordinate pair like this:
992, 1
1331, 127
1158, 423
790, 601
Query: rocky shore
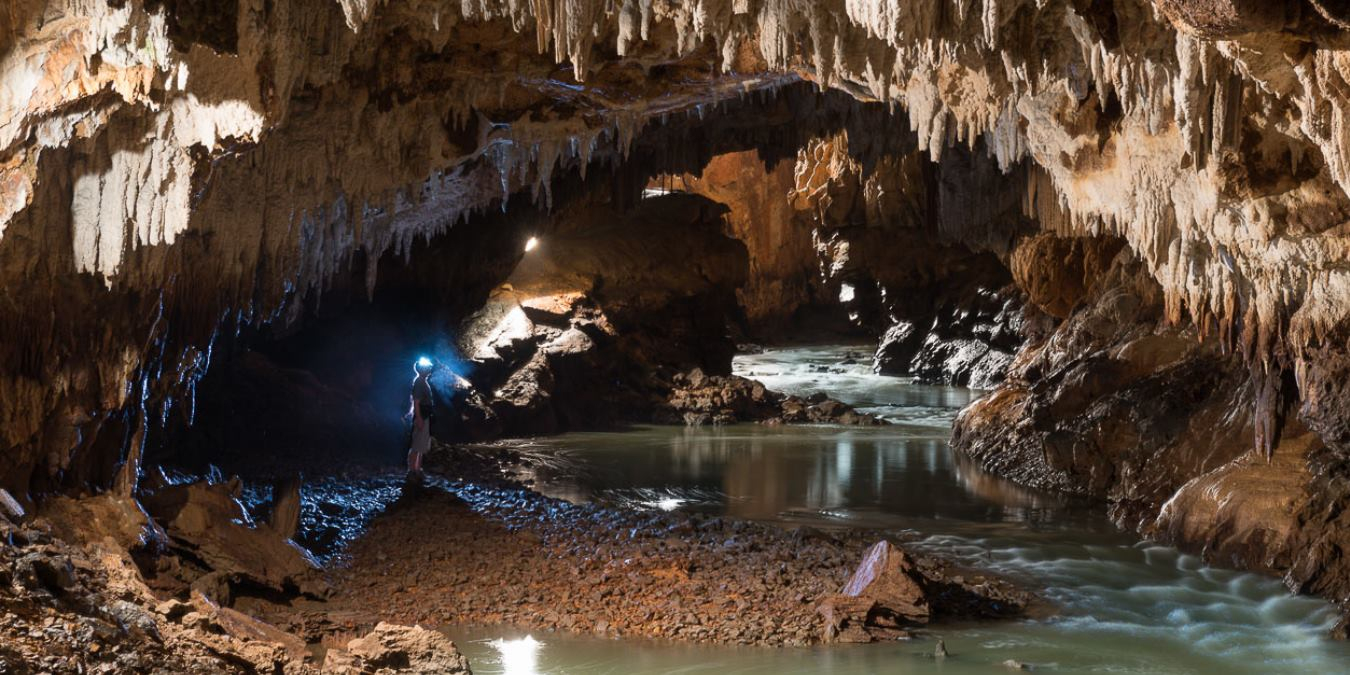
87, 608
451, 552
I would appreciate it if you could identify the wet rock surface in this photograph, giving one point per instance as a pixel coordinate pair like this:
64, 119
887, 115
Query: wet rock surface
1165, 424
945, 308
970, 342
334, 509
1113, 402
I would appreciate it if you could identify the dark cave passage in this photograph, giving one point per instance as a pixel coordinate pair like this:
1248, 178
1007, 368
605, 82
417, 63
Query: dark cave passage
657, 285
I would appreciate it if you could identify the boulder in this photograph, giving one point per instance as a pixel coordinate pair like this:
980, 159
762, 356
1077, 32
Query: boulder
972, 341
285, 518
571, 342
846, 618
524, 403
206, 520
888, 576
9, 507
44, 569
553, 309
244, 627
897, 348
397, 649
883, 597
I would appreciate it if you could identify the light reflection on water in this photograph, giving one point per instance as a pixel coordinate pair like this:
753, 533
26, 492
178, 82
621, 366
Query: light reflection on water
517, 656
1126, 606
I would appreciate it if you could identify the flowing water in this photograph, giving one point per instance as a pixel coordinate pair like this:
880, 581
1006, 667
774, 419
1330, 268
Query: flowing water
1125, 606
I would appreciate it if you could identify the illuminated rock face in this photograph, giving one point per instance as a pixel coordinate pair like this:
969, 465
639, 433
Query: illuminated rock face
782, 283
171, 170
589, 328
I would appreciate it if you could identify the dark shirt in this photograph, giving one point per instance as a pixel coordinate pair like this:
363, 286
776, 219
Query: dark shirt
421, 395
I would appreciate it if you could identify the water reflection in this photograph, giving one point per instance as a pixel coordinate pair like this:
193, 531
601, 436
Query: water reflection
903, 476
1017, 501
517, 656
892, 476
1126, 606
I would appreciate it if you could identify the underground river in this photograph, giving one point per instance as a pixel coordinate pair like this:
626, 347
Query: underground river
1125, 606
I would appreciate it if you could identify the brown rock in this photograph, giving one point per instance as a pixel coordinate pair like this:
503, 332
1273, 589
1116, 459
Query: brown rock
889, 578
553, 309
884, 594
402, 649
698, 398
244, 627
206, 519
285, 518
846, 618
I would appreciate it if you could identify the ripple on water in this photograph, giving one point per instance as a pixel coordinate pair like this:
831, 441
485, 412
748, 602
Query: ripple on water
664, 498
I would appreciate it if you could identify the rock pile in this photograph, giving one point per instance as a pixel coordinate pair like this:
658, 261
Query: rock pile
698, 399
67, 609
86, 609
397, 649
221, 546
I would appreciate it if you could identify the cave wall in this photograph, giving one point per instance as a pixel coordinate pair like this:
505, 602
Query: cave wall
782, 287
171, 170
911, 261
360, 172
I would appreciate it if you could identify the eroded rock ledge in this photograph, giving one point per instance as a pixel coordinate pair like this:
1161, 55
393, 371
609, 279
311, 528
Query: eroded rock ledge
1117, 403
68, 609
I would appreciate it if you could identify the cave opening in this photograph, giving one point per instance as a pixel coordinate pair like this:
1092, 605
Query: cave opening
618, 336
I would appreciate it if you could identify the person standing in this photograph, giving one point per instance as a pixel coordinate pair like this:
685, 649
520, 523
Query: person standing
422, 405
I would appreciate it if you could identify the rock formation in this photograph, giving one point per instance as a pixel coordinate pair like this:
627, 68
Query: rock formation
397, 649
591, 326
782, 289
884, 595
893, 591
1162, 184
944, 307
697, 399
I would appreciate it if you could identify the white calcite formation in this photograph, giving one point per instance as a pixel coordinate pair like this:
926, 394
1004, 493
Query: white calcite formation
1215, 145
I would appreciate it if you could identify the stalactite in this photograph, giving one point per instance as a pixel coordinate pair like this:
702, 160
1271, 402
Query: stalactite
1137, 131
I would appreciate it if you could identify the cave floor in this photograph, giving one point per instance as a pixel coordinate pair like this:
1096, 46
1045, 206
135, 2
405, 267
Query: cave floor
508, 556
